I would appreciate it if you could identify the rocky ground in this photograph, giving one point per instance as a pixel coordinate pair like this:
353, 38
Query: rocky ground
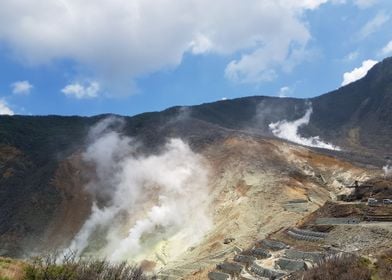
260, 189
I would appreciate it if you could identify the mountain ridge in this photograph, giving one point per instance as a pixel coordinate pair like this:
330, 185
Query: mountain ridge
35, 151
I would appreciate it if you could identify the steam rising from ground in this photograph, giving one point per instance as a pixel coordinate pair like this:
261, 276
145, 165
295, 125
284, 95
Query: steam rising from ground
142, 201
387, 169
289, 131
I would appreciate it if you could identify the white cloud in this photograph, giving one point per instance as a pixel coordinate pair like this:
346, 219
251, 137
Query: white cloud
4, 109
339, 2
358, 73
307, 4
365, 3
373, 25
80, 91
351, 56
362, 4
121, 40
201, 44
285, 91
387, 50
21, 87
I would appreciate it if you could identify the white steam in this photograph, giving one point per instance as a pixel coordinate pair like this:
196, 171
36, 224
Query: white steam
387, 169
142, 201
289, 131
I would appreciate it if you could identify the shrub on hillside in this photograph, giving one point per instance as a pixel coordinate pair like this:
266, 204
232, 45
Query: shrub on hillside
72, 268
342, 268
384, 265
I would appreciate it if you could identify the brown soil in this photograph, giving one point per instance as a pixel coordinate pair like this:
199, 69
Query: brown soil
76, 203
8, 153
333, 210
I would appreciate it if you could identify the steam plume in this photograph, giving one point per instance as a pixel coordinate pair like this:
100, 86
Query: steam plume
142, 201
387, 169
289, 131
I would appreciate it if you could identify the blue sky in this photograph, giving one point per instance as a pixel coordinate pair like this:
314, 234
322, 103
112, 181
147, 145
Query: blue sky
74, 57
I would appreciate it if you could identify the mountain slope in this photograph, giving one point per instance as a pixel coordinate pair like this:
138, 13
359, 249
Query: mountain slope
42, 174
359, 112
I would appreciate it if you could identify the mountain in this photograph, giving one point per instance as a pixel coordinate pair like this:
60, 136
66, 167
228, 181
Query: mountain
356, 116
44, 202
359, 114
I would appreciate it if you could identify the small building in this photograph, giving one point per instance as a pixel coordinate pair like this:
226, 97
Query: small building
260, 253
230, 268
273, 244
266, 272
215, 275
245, 259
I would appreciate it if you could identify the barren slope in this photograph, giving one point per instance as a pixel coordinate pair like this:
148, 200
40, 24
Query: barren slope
259, 186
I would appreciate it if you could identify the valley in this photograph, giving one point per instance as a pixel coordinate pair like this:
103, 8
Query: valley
252, 187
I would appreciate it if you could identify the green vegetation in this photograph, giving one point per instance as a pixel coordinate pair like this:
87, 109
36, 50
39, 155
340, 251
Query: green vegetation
350, 267
72, 268
69, 267
342, 268
383, 266
11, 269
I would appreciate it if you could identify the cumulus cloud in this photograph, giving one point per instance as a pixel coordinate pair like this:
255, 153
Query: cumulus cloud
80, 91
289, 130
281, 53
302, 4
351, 56
365, 3
21, 87
362, 4
4, 109
387, 50
358, 73
143, 201
121, 40
201, 44
285, 91
373, 25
